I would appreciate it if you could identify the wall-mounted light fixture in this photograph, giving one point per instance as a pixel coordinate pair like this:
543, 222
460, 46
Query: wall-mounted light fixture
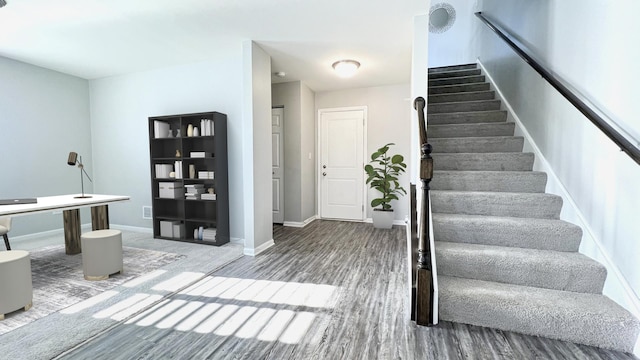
73, 160
2, 3
346, 68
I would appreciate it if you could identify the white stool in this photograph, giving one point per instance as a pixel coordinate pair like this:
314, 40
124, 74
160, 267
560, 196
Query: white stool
16, 291
101, 254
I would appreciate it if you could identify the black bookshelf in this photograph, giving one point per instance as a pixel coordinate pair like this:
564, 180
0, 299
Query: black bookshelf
170, 206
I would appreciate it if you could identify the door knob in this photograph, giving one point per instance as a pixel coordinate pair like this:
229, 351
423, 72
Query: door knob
324, 166
324, 174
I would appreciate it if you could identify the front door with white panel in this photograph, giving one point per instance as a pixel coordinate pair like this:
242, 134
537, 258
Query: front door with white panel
341, 164
277, 156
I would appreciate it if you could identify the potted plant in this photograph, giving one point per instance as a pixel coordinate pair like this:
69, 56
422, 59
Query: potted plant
383, 176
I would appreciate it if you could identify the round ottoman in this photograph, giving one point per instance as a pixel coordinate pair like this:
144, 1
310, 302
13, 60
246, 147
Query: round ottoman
15, 281
101, 253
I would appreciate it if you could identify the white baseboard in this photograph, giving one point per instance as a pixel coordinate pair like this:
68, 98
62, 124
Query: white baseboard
395, 222
139, 229
300, 224
259, 249
616, 286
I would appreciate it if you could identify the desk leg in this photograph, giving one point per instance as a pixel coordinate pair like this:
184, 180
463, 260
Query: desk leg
100, 217
71, 220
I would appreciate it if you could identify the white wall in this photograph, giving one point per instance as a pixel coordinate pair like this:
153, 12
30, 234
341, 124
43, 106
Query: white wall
456, 45
592, 45
299, 149
288, 95
43, 116
389, 121
256, 119
120, 107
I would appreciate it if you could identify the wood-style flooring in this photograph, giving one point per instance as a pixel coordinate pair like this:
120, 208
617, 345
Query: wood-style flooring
332, 290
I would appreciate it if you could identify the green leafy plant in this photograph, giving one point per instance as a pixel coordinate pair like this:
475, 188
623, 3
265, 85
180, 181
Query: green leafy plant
383, 176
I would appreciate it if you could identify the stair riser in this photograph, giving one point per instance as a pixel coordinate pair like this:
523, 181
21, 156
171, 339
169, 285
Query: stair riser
526, 182
434, 90
470, 130
465, 106
523, 233
457, 97
452, 68
454, 73
552, 273
467, 117
457, 80
483, 162
477, 145
542, 206
534, 316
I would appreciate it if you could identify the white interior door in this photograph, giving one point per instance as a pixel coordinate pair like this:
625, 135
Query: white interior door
341, 164
277, 156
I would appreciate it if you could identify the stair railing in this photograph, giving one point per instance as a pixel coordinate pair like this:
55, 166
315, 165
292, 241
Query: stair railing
588, 109
426, 283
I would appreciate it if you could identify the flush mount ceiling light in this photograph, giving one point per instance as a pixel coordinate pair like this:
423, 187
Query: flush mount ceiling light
346, 68
2, 3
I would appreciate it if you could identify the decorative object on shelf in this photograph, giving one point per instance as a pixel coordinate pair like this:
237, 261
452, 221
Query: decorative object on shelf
384, 178
192, 171
210, 190
73, 160
172, 174
190, 130
170, 133
178, 133
178, 154
196, 131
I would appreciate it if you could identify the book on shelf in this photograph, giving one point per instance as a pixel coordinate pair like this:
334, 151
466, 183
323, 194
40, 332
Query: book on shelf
190, 196
206, 127
163, 170
178, 169
195, 191
209, 234
206, 175
194, 186
199, 154
161, 129
207, 196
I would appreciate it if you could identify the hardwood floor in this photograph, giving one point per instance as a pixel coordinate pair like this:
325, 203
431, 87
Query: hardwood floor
333, 290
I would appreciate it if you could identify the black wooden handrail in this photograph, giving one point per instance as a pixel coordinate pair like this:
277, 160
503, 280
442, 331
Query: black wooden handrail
584, 106
425, 273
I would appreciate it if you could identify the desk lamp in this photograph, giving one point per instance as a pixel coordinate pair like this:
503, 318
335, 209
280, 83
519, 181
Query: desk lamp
73, 160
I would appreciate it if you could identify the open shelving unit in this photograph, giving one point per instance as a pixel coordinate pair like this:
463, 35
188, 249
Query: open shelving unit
174, 216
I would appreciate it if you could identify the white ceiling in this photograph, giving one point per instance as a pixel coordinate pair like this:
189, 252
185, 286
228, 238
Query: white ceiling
99, 38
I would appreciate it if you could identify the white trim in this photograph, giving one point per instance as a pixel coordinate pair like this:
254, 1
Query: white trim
145, 230
234, 240
616, 286
364, 109
297, 224
395, 222
259, 249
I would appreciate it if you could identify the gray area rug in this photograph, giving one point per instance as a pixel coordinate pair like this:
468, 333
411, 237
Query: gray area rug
58, 280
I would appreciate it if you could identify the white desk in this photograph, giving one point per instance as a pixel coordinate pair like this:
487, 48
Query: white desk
69, 206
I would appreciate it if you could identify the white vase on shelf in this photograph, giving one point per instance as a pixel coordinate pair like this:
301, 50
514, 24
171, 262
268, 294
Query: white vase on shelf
196, 131
190, 130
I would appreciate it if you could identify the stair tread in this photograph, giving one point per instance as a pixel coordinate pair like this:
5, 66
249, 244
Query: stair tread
452, 67
479, 180
569, 271
585, 318
498, 161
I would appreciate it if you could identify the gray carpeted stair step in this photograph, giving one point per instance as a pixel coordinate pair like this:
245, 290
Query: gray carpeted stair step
497, 181
514, 161
469, 117
589, 319
458, 88
543, 206
471, 130
542, 234
458, 80
452, 68
463, 96
548, 269
490, 144
479, 105
454, 73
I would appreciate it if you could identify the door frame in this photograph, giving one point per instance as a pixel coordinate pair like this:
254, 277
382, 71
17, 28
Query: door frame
319, 134
280, 107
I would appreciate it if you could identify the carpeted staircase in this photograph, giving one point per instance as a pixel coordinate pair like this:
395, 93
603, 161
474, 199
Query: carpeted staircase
504, 258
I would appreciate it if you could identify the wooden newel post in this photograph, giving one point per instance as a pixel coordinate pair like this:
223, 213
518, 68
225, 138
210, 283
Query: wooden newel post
424, 279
